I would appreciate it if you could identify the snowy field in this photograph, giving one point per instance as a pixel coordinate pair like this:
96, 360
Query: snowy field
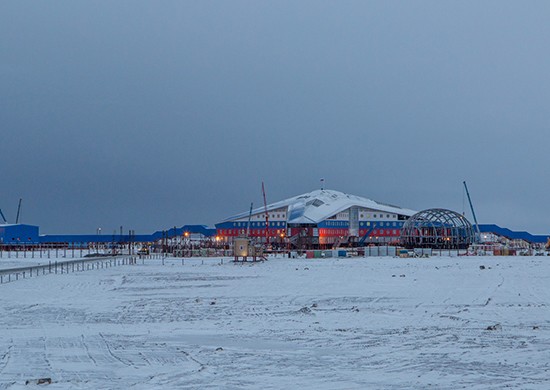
7, 263
366, 323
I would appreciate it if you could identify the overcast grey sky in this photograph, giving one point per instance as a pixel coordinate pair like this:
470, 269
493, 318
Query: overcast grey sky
152, 114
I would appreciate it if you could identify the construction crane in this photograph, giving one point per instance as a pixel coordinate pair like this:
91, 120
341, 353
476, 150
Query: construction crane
4, 218
473, 212
249, 218
18, 211
266, 217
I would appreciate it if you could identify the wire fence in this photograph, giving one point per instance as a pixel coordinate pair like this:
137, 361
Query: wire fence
65, 267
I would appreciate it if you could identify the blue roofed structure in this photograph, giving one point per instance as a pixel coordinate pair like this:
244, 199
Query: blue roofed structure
125, 238
19, 234
15, 234
504, 232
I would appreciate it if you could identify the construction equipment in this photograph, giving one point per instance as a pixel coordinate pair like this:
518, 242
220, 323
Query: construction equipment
266, 217
473, 212
367, 234
18, 211
249, 218
4, 218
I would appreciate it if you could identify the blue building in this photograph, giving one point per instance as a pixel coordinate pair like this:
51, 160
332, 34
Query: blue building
19, 234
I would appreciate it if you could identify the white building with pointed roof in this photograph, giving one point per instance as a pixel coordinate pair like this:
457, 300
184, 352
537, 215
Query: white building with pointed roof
320, 217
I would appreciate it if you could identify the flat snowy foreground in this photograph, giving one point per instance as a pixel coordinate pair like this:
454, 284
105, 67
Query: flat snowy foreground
367, 323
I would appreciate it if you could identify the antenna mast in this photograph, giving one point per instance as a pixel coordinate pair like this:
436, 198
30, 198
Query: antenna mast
18, 211
472, 208
249, 218
266, 217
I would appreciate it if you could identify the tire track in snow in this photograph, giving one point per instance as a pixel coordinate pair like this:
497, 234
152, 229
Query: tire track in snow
6, 357
128, 364
85, 344
202, 366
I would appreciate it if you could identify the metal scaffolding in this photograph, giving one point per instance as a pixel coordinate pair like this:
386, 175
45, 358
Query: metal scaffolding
437, 229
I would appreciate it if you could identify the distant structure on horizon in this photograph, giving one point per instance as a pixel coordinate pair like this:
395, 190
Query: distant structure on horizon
321, 217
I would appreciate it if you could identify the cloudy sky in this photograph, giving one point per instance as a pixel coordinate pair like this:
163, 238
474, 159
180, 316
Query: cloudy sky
152, 114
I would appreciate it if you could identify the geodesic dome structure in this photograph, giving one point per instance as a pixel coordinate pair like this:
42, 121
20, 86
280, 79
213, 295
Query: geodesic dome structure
437, 229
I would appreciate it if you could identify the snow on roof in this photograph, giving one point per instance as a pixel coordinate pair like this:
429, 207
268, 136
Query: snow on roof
319, 205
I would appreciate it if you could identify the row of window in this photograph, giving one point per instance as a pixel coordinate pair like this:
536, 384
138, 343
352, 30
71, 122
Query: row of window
388, 216
345, 232
322, 232
345, 223
258, 224
381, 224
328, 224
336, 223
262, 216
253, 232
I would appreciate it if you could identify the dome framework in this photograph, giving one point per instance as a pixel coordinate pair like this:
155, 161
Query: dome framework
437, 229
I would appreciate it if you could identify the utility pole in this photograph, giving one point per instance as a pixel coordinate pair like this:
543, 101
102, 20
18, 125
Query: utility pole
266, 217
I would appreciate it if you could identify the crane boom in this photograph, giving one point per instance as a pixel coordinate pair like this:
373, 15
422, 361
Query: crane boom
472, 208
18, 211
266, 217
249, 218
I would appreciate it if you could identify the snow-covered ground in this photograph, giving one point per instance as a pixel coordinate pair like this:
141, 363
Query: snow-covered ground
366, 323
28, 259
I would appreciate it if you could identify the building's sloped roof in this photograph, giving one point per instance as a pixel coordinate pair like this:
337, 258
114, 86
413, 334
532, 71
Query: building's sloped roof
492, 228
319, 205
